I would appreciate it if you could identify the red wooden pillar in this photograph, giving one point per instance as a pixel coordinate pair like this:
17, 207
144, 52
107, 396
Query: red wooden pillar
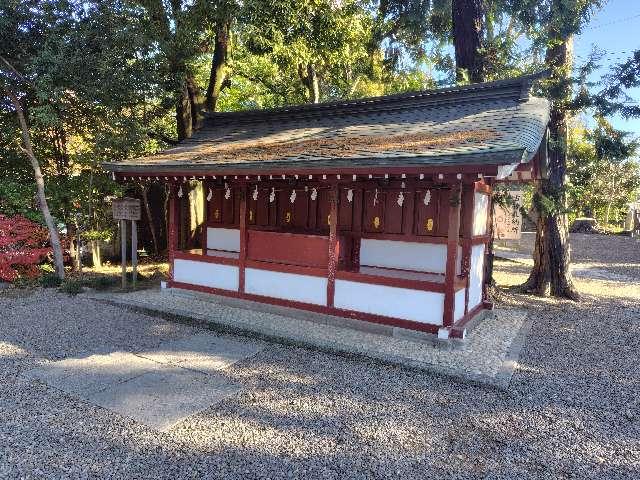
468, 197
205, 215
242, 259
452, 251
172, 241
333, 245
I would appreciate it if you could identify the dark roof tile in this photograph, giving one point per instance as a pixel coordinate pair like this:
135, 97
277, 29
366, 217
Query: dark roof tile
482, 123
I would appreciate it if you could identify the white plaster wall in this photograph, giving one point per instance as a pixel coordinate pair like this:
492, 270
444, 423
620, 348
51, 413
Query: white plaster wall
423, 257
416, 305
223, 239
458, 311
288, 286
480, 211
476, 275
206, 274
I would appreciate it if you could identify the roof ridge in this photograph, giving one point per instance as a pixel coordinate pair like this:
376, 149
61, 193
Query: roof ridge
517, 88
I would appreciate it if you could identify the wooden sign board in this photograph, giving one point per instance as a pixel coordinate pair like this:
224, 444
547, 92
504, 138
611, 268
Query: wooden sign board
126, 209
507, 220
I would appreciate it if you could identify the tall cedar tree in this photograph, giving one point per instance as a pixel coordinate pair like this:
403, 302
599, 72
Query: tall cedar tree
552, 251
468, 18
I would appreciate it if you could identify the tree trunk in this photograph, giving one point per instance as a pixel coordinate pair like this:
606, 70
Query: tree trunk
195, 101
309, 79
218, 73
553, 252
42, 198
183, 114
152, 226
96, 254
314, 88
468, 32
78, 257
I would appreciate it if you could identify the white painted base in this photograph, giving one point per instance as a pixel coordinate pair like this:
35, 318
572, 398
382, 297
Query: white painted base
223, 239
414, 305
443, 333
480, 212
163, 285
459, 299
287, 286
476, 271
422, 257
206, 274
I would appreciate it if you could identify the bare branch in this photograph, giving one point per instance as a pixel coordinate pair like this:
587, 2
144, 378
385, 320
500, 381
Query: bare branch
15, 71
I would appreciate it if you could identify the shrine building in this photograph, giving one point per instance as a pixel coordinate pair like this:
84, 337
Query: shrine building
375, 209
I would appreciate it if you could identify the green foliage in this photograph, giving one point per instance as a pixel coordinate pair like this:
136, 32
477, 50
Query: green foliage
72, 287
100, 77
18, 199
102, 282
49, 280
603, 174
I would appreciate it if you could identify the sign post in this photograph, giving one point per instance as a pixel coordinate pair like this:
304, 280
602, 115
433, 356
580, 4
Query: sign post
128, 209
508, 219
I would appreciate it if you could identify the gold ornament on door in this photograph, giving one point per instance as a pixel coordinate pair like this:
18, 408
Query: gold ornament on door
429, 225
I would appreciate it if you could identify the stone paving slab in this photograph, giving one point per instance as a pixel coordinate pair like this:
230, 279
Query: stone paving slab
158, 387
83, 376
163, 398
203, 352
488, 355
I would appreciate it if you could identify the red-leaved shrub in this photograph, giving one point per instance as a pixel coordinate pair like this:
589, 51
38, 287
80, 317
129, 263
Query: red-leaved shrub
23, 245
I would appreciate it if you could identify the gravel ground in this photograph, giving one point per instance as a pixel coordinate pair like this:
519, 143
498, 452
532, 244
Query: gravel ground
573, 409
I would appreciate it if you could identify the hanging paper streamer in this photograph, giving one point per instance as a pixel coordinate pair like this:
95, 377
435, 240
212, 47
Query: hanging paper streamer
293, 196
314, 194
403, 185
375, 198
227, 192
427, 198
350, 195
180, 192
209, 196
400, 198
272, 195
254, 195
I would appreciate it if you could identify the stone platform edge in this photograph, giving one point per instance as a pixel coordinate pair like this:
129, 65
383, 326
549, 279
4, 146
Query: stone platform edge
212, 321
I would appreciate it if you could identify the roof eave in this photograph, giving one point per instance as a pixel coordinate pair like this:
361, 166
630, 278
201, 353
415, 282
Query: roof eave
480, 159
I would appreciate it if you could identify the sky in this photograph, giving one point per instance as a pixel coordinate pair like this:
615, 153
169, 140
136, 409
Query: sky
616, 30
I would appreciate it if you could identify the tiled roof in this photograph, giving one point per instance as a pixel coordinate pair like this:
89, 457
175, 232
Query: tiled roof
495, 123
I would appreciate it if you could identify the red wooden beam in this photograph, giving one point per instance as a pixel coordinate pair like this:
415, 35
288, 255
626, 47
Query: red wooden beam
333, 245
172, 240
205, 222
242, 259
452, 248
